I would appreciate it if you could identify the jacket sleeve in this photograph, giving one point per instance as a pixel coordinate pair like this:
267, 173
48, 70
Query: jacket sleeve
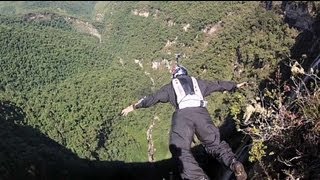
161, 95
217, 86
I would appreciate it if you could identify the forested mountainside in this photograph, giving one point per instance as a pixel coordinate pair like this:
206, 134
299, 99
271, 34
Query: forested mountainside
68, 68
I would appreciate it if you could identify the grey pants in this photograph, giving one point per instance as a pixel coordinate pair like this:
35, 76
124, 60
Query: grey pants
185, 123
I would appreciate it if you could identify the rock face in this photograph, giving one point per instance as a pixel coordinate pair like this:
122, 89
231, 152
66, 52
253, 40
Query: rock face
84, 27
297, 15
300, 15
143, 13
78, 24
38, 17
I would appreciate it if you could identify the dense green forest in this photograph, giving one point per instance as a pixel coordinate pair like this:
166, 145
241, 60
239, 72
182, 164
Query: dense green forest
68, 68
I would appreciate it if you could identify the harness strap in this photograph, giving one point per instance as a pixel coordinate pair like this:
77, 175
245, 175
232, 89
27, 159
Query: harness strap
188, 100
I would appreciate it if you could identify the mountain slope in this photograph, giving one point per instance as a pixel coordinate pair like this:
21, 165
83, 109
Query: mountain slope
71, 67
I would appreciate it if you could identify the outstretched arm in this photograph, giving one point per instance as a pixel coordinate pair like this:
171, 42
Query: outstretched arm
128, 109
161, 95
219, 86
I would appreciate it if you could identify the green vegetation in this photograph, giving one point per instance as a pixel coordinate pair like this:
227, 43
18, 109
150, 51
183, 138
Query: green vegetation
83, 9
72, 87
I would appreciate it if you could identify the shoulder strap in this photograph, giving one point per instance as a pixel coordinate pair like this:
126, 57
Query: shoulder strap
196, 88
178, 89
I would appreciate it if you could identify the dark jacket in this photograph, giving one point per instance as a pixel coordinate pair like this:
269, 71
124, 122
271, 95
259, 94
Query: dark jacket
167, 94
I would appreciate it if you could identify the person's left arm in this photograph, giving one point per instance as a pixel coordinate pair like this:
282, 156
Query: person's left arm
219, 86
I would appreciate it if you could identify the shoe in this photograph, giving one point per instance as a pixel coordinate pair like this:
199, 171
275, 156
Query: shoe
239, 171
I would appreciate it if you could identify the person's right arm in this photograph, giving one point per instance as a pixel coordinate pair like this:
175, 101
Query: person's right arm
161, 95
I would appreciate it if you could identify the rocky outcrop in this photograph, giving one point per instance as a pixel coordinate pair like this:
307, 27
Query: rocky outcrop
99, 17
151, 148
186, 27
142, 13
137, 61
78, 24
300, 15
212, 28
39, 17
160, 64
84, 27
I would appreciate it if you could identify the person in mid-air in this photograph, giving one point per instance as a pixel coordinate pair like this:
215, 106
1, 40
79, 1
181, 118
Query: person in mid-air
191, 116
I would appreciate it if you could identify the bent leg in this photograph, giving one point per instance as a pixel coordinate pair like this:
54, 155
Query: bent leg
209, 135
180, 142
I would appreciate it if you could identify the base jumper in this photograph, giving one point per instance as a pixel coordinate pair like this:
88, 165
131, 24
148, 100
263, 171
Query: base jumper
191, 116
